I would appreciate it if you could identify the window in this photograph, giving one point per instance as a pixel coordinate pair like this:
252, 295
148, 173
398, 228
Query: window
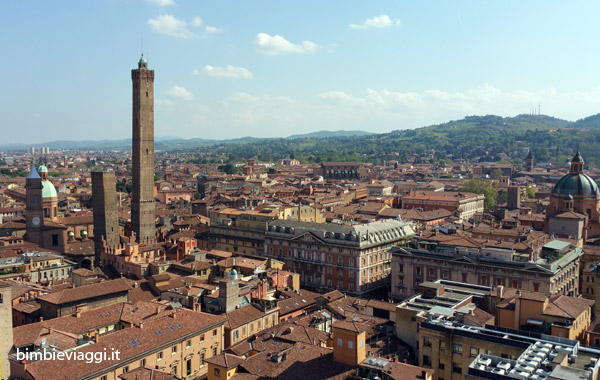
174, 349
360, 343
536, 287
189, 343
340, 342
214, 351
456, 368
457, 348
441, 365
202, 338
350, 344
1, 298
427, 360
159, 356
126, 369
236, 335
188, 367
55, 239
143, 363
103, 377
217, 372
174, 370
442, 345
426, 341
474, 351
202, 357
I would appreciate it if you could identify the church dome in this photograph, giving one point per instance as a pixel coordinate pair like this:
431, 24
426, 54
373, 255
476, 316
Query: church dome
576, 184
42, 169
48, 191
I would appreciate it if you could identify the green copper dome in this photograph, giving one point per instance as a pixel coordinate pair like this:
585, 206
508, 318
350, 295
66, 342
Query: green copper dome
48, 191
42, 169
576, 184
142, 59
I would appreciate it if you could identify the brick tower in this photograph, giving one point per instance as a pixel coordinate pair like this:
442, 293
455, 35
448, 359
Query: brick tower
142, 202
34, 208
106, 222
529, 162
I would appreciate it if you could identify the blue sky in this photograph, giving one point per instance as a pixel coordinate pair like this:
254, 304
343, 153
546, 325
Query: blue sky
228, 69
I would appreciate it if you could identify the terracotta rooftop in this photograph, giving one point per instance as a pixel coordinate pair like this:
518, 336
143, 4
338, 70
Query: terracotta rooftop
171, 330
225, 360
88, 291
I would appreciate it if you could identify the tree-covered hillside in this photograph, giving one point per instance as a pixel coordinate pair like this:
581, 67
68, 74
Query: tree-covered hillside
484, 137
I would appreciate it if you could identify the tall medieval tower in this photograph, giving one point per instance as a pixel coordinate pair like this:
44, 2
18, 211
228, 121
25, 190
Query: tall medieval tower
34, 208
142, 203
529, 162
106, 220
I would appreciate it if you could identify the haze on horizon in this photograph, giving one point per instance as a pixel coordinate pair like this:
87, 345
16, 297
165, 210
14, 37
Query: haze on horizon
275, 69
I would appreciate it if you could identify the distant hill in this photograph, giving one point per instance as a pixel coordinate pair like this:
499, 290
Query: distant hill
483, 138
322, 134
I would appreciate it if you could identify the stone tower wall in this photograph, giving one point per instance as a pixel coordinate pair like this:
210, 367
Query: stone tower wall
104, 200
142, 204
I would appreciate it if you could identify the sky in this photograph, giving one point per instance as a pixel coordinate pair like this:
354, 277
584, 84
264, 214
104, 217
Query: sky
228, 69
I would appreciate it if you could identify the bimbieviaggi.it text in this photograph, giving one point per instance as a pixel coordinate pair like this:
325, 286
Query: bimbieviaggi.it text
87, 357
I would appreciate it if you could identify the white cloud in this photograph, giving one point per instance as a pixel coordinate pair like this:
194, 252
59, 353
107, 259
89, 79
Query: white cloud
227, 72
376, 110
180, 93
274, 45
164, 102
197, 22
196, 72
382, 21
210, 30
171, 26
162, 3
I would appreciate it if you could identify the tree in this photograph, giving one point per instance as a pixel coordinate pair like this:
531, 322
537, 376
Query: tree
496, 173
503, 197
530, 191
227, 168
486, 188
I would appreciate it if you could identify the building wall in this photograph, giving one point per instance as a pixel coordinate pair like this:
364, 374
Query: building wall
6, 327
253, 327
174, 363
442, 351
410, 270
220, 373
239, 231
327, 266
348, 347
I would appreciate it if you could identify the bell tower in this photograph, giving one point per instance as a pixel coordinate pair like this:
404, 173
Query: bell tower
34, 208
142, 203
